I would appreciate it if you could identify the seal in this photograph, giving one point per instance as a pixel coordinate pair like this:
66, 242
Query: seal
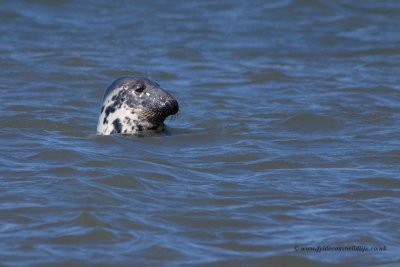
132, 105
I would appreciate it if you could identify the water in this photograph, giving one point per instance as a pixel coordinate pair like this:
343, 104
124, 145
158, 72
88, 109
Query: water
287, 136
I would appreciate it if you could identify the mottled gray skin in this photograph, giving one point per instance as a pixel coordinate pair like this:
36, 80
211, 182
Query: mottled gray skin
133, 105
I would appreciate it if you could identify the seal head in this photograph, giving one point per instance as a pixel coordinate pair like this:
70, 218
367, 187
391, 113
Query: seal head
135, 104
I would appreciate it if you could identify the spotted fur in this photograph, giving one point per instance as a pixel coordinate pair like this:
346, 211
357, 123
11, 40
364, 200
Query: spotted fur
134, 104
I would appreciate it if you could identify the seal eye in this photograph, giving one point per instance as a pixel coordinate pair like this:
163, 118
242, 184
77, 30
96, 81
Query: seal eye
139, 88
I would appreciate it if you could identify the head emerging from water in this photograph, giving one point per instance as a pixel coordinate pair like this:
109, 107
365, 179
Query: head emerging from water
135, 104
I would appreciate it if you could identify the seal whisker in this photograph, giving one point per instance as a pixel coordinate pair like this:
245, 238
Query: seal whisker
173, 117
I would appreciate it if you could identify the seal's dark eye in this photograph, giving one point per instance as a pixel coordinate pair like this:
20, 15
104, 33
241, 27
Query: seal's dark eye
139, 87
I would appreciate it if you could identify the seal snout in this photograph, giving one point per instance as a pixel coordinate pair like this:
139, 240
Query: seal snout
168, 108
168, 105
173, 106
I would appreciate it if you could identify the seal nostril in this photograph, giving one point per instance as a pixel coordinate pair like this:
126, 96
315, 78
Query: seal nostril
174, 107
